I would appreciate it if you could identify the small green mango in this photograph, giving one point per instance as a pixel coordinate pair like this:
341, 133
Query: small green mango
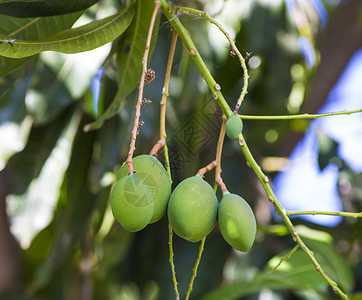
237, 222
132, 203
150, 170
234, 125
192, 209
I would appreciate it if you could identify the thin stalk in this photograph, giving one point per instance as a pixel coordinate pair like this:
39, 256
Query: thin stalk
217, 162
236, 51
301, 116
162, 141
194, 273
170, 235
280, 210
220, 144
200, 64
328, 213
284, 258
136, 123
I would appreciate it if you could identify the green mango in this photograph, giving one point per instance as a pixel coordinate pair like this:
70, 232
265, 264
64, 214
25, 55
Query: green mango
132, 203
150, 170
237, 222
192, 209
234, 126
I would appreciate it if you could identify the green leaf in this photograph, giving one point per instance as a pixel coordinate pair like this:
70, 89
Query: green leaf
33, 29
130, 52
8, 65
75, 205
36, 28
297, 272
80, 39
42, 8
132, 46
14, 123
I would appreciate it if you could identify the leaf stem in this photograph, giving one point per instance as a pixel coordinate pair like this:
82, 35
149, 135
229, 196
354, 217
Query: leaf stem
328, 213
140, 91
236, 51
301, 116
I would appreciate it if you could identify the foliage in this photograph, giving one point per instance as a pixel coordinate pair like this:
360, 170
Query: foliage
65, 124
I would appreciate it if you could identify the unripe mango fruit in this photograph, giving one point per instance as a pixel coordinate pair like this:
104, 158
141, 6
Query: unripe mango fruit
192, 209
237, 222
150, 170
234, 125
132, 203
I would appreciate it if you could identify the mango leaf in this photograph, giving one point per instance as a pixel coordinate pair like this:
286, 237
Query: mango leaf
30, 28
130, 52
131, 48
14, 123
8, 65
295, 273
75, 205
83, 38
42, 8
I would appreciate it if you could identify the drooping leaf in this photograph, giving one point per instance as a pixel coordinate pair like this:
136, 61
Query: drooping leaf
47, 97
130, 52
75, 205
74, 40
295, 273
31, 29
42, 8
8, 65
132, 46
14, 123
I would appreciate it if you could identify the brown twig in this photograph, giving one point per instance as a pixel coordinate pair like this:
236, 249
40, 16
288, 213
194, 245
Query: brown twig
220, 143
206, 169
140, 90
217, 162
162, 141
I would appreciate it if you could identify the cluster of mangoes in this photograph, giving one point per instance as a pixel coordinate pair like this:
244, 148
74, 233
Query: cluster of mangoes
193, 209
